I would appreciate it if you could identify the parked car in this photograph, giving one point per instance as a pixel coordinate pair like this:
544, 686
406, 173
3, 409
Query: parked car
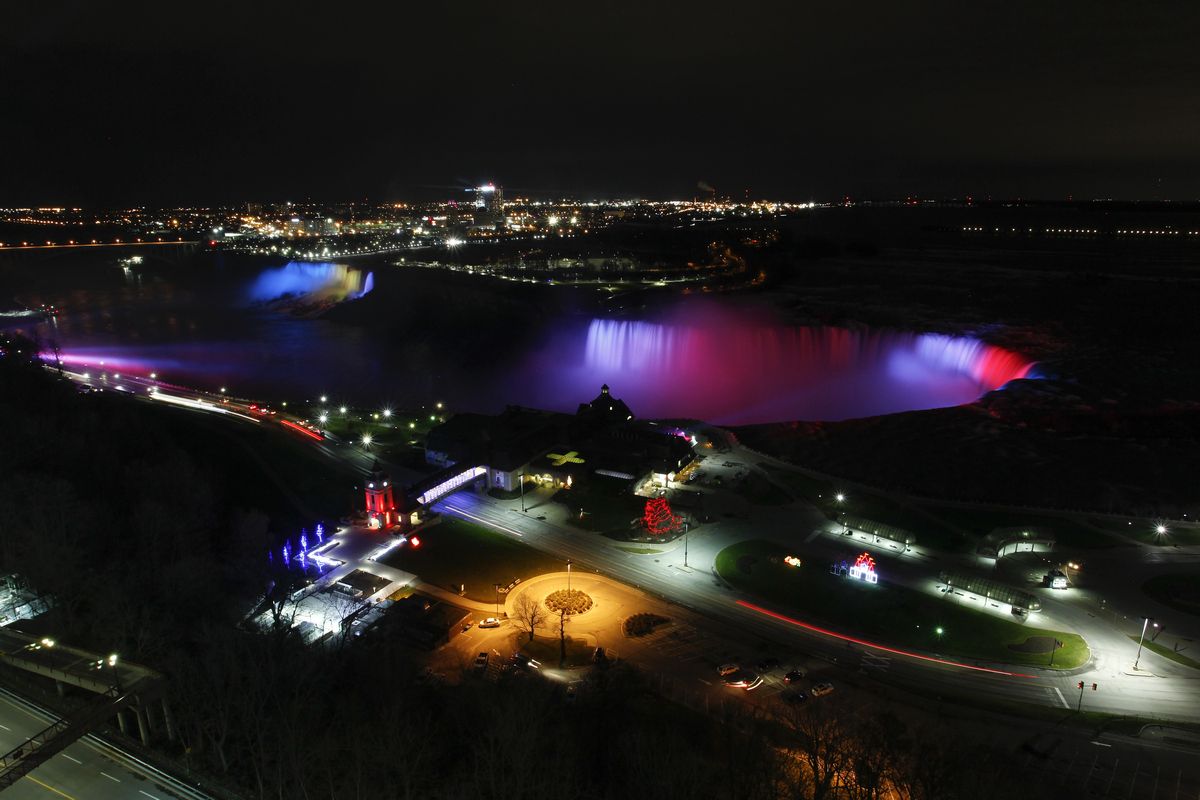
794, 676
490, 622
727, 669
481, 662
768, 664
822, 689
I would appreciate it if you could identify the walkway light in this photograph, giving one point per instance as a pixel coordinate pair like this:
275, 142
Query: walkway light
840, 497
366, 440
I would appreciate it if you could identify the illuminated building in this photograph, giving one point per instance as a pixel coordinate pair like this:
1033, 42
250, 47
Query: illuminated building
381, 504
546, 447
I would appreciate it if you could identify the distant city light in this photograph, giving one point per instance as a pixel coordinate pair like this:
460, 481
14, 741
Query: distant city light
324, 399
453, 242
387, 412
342, 409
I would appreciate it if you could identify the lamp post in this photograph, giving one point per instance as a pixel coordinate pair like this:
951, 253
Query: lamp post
1145, 624
496, 586
685, 538
522, 482
568, 576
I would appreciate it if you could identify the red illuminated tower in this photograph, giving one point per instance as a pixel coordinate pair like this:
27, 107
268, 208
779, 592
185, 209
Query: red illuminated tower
381, 504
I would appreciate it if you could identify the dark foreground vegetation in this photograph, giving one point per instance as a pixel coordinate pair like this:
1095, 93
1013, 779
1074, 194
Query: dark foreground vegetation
149, 551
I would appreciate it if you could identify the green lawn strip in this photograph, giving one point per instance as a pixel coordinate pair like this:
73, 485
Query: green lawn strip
1167, 652
547, 649
887, 613
641, 551
455, 552
1178, 590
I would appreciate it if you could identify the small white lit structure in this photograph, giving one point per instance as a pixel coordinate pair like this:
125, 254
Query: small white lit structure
864, 569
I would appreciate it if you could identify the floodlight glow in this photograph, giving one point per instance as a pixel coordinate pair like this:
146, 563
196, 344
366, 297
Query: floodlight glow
453, 242
366, 439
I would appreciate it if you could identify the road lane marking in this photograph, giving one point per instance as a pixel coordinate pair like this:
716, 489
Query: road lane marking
1058, 692
6, 727
76, 760
58, 792
147, 794
110, 777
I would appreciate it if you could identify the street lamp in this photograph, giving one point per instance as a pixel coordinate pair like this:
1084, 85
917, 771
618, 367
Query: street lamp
366, 440
840, 497
496, 586
1145, 623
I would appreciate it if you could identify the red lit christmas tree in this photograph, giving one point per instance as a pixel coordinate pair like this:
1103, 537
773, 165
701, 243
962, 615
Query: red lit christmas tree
657, 518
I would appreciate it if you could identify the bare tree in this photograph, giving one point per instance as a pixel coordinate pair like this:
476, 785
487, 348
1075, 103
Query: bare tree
529, 613
562, 637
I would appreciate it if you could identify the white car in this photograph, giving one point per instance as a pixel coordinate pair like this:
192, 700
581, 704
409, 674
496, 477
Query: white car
822, 689
490, 622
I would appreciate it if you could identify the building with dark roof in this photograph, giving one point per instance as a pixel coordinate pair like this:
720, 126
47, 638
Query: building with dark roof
562, 449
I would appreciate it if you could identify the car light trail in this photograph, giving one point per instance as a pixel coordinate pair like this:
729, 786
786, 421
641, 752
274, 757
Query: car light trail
302, 429
483, 521
874, 646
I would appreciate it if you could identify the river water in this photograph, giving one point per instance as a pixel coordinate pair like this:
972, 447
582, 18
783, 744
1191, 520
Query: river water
377, 334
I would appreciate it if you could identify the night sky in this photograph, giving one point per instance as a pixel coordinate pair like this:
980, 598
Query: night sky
175, 103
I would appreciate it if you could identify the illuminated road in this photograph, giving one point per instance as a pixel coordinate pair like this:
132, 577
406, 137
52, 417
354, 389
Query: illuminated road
1165, 689
85, 770
1167, 696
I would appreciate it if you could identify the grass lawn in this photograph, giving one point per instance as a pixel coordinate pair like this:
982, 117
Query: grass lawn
641, 551
887, 613
814, 490
456, 552
1067, 532
608, 505
1144, 531
1179, 590
266, 469
1166, 652
762, 492
547, 649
